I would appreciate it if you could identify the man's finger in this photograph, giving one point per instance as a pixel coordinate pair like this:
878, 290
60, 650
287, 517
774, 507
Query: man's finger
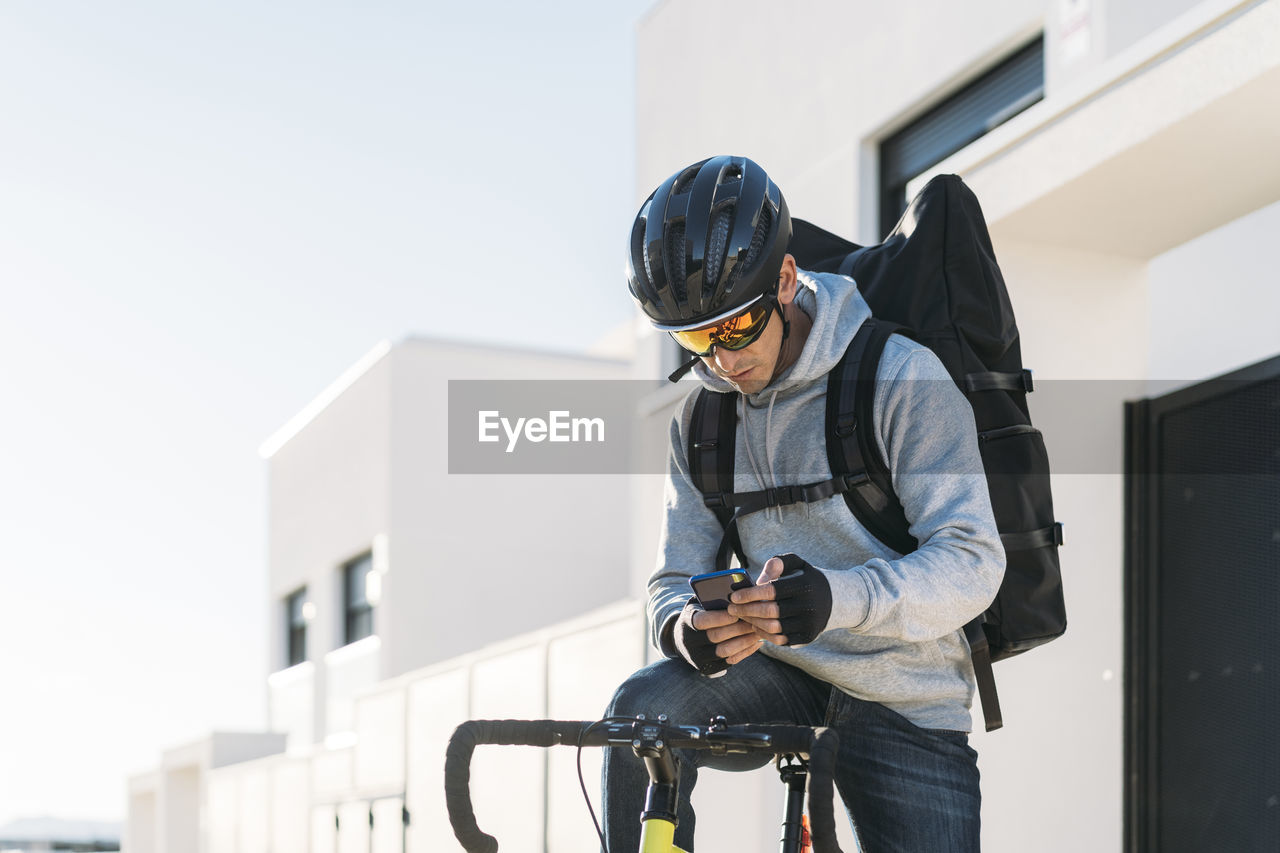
737, 646
775, 639
756, 610
728, 632
743, 655
706, 619
766, 626
773, 568
760, 592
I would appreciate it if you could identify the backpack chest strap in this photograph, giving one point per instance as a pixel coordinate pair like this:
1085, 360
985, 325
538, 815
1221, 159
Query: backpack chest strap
745, 503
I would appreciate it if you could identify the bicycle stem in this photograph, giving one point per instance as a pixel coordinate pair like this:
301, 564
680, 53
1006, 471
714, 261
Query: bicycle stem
663, 795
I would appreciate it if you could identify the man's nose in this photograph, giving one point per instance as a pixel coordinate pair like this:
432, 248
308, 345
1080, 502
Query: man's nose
728, 359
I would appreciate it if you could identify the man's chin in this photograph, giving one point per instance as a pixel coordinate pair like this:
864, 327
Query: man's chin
748, 385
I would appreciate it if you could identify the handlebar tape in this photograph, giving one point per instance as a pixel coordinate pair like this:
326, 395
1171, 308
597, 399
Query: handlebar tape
821, 745
457, 767
822, 762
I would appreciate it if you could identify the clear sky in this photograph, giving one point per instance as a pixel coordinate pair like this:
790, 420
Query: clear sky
207, 212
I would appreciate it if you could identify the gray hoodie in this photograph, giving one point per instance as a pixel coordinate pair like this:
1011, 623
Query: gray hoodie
895, 633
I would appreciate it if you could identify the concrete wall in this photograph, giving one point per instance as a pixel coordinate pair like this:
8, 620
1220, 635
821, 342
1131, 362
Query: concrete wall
140, 833
521, 795
188, 805
1215, 300
259, 807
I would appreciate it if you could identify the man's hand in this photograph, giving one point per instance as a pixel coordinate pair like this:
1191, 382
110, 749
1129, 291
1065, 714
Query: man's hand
711, 640
789, 605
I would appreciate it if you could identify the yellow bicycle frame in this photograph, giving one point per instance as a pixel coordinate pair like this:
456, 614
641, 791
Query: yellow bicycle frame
658, 836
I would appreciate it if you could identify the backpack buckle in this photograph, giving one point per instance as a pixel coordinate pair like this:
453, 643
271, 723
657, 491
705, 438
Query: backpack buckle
844, 430
715, 500
849, 482
780, 496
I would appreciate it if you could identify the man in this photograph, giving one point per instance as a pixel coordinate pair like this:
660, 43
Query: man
839, 630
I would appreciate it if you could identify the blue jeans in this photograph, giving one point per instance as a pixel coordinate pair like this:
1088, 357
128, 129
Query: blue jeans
907, 789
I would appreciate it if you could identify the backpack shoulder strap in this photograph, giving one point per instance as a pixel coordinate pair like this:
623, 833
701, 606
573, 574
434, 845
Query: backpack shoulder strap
850, 403
712, 444
851, 446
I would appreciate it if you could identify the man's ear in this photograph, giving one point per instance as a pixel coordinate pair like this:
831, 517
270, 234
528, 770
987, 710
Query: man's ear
787, 280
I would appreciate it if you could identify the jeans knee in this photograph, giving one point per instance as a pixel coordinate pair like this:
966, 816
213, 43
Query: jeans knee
650, 691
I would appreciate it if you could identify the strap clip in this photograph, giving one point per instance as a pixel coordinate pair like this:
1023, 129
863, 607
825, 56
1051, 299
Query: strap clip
848, 482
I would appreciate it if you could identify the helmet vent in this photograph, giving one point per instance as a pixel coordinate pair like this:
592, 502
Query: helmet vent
758, 240
682, 184
674, 252
717, 240
731, 173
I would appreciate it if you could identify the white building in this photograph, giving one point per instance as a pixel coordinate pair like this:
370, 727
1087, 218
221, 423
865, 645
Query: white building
387, 572
1125, 154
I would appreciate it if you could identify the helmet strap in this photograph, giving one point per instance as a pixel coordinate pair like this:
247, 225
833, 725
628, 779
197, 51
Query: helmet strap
680, 371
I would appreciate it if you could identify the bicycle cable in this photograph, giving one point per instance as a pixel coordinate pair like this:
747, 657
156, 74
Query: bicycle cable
582, 735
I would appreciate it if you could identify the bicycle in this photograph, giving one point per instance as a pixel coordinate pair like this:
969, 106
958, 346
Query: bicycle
653, 741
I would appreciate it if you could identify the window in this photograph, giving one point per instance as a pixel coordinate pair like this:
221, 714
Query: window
990, 100
295, 616
356, 578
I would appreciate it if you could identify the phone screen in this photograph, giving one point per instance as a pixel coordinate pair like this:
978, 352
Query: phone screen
712, 590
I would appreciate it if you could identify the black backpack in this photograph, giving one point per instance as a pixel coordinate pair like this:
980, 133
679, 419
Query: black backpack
936, 275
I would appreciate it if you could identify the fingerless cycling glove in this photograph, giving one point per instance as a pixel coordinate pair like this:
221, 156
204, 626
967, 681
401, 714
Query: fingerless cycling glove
694, 646
803, 595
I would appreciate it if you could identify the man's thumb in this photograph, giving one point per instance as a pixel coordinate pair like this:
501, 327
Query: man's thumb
772, 570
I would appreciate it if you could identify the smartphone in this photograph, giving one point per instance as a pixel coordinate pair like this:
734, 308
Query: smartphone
712, 589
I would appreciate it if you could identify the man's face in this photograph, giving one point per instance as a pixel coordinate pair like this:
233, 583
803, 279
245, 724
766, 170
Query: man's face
751, 368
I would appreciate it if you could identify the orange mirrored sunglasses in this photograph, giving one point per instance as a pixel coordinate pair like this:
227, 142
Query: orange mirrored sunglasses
733, 333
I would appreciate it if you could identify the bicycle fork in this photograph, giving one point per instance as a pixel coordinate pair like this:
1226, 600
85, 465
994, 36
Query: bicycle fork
795, 833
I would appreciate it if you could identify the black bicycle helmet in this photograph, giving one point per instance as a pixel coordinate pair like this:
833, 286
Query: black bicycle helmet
710, 239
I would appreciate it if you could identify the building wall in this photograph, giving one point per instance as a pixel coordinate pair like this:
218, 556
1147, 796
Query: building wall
800, 89
366, 469
482, 557
1199, 324
140, 835
328, 501
521, 794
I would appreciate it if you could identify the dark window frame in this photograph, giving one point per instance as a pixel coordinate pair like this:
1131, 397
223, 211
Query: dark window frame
357, 611
295, 623
995, 96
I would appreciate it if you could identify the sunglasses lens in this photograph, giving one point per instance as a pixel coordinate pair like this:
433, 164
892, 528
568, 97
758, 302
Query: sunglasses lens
734, 333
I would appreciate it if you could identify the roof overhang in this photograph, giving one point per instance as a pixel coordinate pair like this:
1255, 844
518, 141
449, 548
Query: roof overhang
1170, 139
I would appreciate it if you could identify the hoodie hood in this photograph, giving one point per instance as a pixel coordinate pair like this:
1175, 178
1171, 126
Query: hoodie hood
837, 310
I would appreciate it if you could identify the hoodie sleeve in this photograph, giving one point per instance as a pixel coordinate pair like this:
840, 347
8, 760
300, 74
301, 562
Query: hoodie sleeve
926, 432
688, 541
